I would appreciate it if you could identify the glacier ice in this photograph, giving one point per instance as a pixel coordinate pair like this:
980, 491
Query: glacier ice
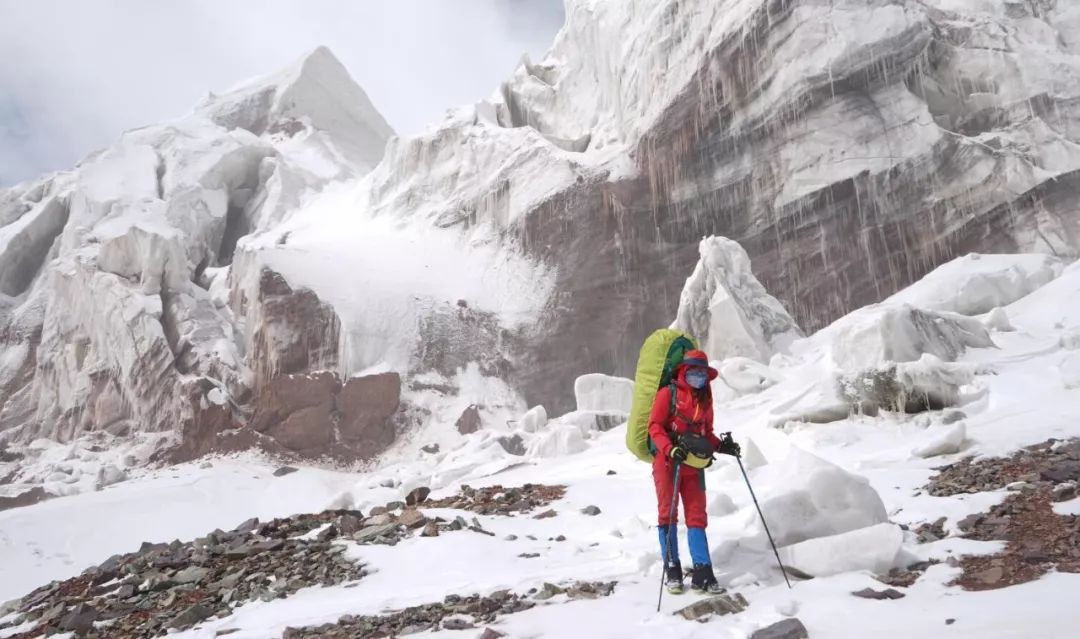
746, 376
946, 443
109, 259
998, 320
603, 393
728, 311
874, 548
559, 439
884, 333
810, 497
928, 383
975, 284
569, 206
534, 419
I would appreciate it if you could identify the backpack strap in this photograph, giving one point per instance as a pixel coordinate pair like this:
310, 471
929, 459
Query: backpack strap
671, 412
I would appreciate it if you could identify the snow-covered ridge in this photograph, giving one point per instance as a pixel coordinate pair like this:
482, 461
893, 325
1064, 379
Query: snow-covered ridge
314, 95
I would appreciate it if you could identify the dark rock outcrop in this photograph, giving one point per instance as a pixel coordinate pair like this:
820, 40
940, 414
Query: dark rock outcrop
296, 333
469, 422
317, 414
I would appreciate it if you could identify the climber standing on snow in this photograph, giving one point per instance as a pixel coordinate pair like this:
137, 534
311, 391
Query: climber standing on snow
681, 431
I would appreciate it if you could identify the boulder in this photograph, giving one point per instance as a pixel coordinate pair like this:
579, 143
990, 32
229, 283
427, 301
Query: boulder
880, 595
366, 405
412, 518
373, 532
191, 575
786, 629
513, 444
190, 616
469, 422
80, 620
316, 415
417, 496
718, 605
296, 331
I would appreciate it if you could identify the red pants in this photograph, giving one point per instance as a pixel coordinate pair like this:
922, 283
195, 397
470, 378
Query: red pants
691, 492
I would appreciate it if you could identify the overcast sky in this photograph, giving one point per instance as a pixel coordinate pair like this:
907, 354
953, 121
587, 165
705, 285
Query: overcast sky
74, 74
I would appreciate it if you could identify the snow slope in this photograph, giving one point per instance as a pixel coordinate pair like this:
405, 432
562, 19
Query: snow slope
853, 474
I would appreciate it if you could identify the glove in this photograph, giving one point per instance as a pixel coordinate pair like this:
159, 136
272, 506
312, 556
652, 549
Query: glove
678, 453
729, 447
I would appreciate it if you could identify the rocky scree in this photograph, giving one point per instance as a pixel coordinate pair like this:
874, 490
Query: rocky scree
497, 500
454, 613
1037, 538
163, 586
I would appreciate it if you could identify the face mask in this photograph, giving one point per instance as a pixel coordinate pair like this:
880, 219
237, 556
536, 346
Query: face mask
697, 378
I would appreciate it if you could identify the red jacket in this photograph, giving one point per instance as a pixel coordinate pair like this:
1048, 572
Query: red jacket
693, 413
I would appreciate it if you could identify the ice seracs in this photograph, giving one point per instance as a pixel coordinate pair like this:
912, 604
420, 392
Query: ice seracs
124, 304
874, 548
974, 284
313, 109
728, 311
603, 393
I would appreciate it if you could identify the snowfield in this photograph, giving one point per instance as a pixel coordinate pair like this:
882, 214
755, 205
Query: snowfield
836, 494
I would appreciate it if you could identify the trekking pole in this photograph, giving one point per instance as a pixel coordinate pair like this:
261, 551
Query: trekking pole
671, 538
763, 522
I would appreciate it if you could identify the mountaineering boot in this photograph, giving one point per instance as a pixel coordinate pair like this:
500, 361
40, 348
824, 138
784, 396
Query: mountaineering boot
674, 579
703, 580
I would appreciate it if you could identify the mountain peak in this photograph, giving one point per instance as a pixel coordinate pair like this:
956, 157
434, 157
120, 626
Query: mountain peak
315, 89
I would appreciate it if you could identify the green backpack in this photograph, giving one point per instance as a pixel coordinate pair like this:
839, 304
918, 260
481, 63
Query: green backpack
660, 354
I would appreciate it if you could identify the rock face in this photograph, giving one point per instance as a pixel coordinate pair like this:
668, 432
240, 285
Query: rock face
319, 415
847, 161
295, 331
469, 422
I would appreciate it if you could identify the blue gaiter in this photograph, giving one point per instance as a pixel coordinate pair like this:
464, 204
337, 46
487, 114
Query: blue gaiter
699, 546
671, 532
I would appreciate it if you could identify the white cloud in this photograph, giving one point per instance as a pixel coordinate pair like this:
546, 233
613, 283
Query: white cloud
75, 74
